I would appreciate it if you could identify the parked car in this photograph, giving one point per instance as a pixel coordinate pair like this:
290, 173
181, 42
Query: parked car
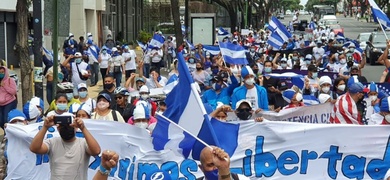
362, 39
376, 44
280, 16
288, 12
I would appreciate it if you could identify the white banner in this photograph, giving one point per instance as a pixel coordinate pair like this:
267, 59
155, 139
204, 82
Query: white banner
269, 150
317, 114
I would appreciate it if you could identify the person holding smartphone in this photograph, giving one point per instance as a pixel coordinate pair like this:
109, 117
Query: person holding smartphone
69, 156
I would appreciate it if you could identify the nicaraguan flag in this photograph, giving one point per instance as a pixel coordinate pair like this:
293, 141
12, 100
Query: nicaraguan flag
143, 46
185, 108
222, 31
232, 53
172, 82
157, 41
309, 100
48, 54
276, 26
214, 50
275, 40
190, 45
379, 15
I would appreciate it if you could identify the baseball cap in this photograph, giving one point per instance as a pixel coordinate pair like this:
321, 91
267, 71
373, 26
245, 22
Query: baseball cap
308, 57
283, 60
81, 85
373, 87
288, 95
325, 79
357, 88
114, 49
16, 114
105, 96
238, 104
30, 110
354, 67
144, 89
77, 54
245, 71
323, 97
139, 79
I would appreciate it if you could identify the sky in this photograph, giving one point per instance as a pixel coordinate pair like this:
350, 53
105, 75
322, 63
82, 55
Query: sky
303, 2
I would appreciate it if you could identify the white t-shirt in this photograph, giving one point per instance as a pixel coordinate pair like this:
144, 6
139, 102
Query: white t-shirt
83, 66
91, 102
251, 96
104, 62
115, 61
151, 85
318, 52
129, 65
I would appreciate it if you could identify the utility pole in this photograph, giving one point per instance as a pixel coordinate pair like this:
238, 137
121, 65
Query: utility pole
55, 47
186, 18
37, 48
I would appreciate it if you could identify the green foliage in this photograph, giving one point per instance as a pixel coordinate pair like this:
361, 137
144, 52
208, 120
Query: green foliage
290, 4
310, 3
144, 36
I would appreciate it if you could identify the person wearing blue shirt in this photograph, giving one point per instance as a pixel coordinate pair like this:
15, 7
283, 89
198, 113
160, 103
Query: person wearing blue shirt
250, 91
220, 91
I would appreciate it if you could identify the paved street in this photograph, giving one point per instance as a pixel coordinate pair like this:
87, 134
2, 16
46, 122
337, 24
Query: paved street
352, 28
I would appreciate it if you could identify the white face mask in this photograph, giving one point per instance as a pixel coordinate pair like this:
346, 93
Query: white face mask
20, 123
325, 89
145, 96
250, 81
373, 98
32, 121
102, 105
387, 118
341, 87
142, 125
343, 61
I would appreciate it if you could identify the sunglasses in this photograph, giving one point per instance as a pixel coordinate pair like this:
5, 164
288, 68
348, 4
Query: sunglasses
118, 97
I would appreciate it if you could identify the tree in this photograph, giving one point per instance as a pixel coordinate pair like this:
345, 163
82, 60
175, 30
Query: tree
22, 48
176, 22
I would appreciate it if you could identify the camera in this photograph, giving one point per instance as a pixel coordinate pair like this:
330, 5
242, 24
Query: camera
63, 120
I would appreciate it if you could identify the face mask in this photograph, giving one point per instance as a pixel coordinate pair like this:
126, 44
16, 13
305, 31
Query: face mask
198, 69
352, 50
302, 59
144, 96
83, 94
208, 57
255, 71
314, 75
373, 98
387, 118
250, 81
142, 125
104, 52
211, 174
252, 50
69, 96
299, 97
216, 86
284, 65
67, 132
267, 69
71, 46
2, 76
294, 58
215, 71
341, 87
343, 61
191, 61
244, 115
90, 38
308, 62
102, 105
78, 60
62, 106
325, 89
108, 86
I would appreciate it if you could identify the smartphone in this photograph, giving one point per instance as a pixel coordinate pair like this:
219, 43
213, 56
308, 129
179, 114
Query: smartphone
63, 119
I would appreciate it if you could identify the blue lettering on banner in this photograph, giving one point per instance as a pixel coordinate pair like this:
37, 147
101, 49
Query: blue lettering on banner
310, 118
352, 166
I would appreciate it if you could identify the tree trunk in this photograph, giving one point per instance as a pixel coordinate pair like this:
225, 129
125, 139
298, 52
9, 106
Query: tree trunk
176, 22
22, 49
233, 19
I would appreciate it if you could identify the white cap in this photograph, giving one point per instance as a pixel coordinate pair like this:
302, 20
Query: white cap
243, 101
70, 34
78, 54
36, 101
144, 89
323, 98
309, 56
89, 34
82, 85
86, 107
325, 79
114, 49
141, 111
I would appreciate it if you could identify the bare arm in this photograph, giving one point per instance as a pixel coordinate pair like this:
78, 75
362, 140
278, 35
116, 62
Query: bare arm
93, 145
37, 146
66, 62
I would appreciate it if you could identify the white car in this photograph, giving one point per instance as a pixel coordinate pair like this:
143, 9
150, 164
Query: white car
288, 12
362, 39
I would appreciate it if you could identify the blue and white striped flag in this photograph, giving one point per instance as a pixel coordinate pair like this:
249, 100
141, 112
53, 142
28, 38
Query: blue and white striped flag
185, 108
222, 31
275, 40
48, 54
190, 45
379, 15
142, 45
157, 41
213, 50
276, 26
232, 53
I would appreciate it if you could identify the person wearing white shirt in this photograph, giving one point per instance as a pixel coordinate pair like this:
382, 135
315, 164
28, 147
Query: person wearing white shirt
155, 80
156, 55
80, 71
130, 58
103, 61
318, 51
331, 35
93, 56
116, 66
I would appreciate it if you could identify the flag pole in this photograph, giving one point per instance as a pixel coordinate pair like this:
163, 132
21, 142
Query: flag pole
383, 30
